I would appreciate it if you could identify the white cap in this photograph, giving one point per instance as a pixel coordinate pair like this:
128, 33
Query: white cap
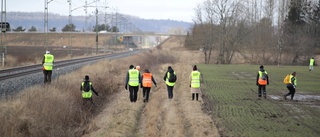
47, 51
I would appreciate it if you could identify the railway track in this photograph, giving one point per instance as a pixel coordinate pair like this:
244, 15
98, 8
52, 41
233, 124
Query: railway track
27, 70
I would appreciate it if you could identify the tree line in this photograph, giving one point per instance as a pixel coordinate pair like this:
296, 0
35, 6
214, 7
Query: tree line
67, 28
257, 32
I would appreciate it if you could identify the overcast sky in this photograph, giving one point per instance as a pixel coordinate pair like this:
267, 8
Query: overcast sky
180, 10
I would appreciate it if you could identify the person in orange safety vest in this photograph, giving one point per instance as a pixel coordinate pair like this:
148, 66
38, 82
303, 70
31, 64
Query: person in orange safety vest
262, 81
146, 85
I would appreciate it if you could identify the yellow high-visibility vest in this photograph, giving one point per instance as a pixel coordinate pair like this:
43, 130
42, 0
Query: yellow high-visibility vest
295, 80
195, 79
133, 77
167, 80
311, 62
86, 94
48, 62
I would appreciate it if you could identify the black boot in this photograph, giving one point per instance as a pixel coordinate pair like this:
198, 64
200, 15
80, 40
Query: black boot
192, 96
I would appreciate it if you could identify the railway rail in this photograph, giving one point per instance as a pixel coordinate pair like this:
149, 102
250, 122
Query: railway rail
27, 70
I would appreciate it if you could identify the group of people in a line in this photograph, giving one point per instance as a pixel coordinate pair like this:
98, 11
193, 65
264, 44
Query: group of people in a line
263, 80
134, 79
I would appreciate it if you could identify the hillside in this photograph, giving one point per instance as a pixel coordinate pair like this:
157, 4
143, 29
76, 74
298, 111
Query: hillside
36, 19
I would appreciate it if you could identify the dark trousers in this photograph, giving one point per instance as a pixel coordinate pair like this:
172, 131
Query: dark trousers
291, 91
197, 96
133, 93
262, 89
47, 76
146, 91
170, 91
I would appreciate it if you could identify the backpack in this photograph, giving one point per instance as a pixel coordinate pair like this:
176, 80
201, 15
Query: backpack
286, 79
264, 76
172, 77
86, 86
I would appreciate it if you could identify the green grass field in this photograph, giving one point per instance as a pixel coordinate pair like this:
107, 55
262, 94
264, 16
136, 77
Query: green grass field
232, 99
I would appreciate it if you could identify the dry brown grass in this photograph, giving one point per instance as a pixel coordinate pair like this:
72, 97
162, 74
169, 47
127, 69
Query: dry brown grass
57, 110
158, 117
11, 61
28, 48
54, 39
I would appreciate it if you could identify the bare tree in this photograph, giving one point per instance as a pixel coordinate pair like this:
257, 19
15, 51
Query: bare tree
203, 29
250, 28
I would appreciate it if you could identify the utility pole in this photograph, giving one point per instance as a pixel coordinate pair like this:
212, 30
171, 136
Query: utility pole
70, 27
86, 22
46, 20
97, 31
3, 47
116, 28
85, 25
105, 26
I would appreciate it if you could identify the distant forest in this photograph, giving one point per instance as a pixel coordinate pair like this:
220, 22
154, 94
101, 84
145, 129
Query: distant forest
35, 21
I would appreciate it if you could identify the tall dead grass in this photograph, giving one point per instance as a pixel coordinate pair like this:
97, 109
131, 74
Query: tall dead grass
11, 61
58, 109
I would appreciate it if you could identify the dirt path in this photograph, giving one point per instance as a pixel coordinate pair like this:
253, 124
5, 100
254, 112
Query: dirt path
179, 117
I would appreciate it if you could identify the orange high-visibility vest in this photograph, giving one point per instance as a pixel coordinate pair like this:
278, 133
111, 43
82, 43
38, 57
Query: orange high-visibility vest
260, 80
147, 80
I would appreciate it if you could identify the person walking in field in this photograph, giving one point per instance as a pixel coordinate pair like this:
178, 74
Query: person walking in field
147, 79
311, 64
87, 89
47, 62
291, 86
133, 79
261, 81
170, 78
195, 80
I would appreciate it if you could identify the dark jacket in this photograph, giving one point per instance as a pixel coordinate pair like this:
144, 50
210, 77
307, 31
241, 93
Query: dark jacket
262, 70
94, 91
292, 82
165, 75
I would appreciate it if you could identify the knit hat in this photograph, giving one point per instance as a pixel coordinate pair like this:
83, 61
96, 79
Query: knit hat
261, 66
195, 67
86, 77
147, 71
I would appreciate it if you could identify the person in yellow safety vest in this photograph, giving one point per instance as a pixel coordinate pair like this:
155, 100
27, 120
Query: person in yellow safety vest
311, 64
262, 81
86, 89
291, 86
195, 82
170, 78
47, 62
146, 85
133, 79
